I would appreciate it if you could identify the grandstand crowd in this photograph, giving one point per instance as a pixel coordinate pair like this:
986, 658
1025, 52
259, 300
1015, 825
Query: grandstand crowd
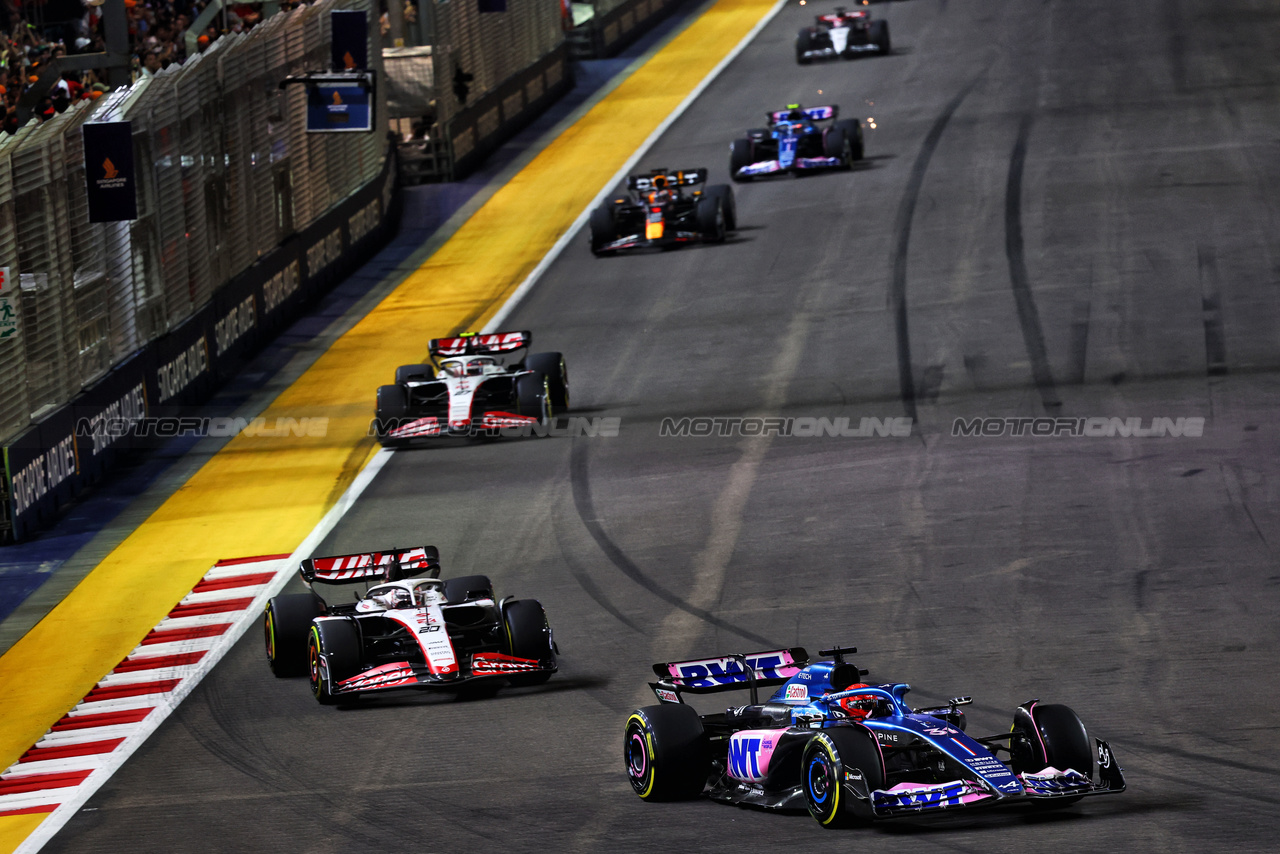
32, 32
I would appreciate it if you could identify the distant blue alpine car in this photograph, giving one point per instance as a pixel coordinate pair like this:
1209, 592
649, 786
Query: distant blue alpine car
795, 142
849, 751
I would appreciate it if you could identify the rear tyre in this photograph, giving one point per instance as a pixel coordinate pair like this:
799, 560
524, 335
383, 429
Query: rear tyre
553, 366
879, 35
724, 193
667, 753
835, 143
285, 624
333, 654
406, 373
740, 157
467, 587
853, 132
804, 43
392, 410
528, 635
828, 758
604, 230
533, 397
711, 220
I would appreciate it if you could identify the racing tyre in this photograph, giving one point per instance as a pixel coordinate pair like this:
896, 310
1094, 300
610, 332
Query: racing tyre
711, 219
836, 143
853, 133
667, 754
552, 365
405, 373
603, 229
804, 42
740, 157
533, 397
828, 759
1057, 737
333, 654
467, 587
528, 636
879, 35
392, 408
285, 624
724, 193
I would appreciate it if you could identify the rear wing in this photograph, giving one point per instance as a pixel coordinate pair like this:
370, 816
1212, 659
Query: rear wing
372, 566
681, 177
815, 114
727, 673
472, 344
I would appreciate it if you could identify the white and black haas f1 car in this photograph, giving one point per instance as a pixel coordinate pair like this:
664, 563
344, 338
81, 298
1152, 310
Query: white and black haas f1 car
844, 34
659, 214
475, 385
849, 751
798, 139
407, 629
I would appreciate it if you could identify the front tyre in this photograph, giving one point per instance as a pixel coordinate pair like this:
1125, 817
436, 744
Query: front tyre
833, 757
667, 754
741, 155
604, 229
553, 366
528, 635
392, 412
333, 654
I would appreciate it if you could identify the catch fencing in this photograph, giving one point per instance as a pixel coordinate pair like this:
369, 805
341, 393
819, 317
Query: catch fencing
229, 185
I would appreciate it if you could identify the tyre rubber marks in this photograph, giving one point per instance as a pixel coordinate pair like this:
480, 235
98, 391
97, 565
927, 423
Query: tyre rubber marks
138, 693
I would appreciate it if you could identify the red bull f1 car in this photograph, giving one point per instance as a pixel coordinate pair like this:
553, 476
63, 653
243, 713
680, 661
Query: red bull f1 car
475, 385
850, 751
407, 628
798, 139
659, 214
844, 34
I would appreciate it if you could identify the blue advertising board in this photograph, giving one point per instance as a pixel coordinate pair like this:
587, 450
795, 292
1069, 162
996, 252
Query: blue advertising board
341, 105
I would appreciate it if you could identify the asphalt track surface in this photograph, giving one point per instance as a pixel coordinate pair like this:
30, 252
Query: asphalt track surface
1068, 209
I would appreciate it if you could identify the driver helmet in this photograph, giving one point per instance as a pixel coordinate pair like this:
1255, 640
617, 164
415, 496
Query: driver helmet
392, 597
859, 706
475, 367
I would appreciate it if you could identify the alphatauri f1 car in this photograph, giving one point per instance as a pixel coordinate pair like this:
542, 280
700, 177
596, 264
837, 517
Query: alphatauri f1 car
406, 629
795, 142
474, 386
844, 34
659, 214
848, 751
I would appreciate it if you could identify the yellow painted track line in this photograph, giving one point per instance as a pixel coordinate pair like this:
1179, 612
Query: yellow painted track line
264, 495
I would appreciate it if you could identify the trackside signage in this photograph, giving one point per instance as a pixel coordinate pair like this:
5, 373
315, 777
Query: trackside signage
142, 402
111, 184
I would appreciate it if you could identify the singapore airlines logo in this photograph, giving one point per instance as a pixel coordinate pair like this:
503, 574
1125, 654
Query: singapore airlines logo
337, 99
348, 60
111, 178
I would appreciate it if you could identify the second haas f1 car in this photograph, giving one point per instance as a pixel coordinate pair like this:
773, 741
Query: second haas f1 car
795, 142
407, 629
475, 386
658, 213
849, 751
844, 34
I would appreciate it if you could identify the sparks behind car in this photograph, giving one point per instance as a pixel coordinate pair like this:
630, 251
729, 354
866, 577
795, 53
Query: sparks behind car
407, 629
474, 386
659, 214
844, 34
798, 139
848, 751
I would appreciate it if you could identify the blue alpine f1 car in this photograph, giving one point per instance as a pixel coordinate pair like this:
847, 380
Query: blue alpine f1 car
850, 751
798, 139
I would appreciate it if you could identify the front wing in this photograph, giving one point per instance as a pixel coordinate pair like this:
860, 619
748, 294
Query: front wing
800, 164
403, 674
639, 241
